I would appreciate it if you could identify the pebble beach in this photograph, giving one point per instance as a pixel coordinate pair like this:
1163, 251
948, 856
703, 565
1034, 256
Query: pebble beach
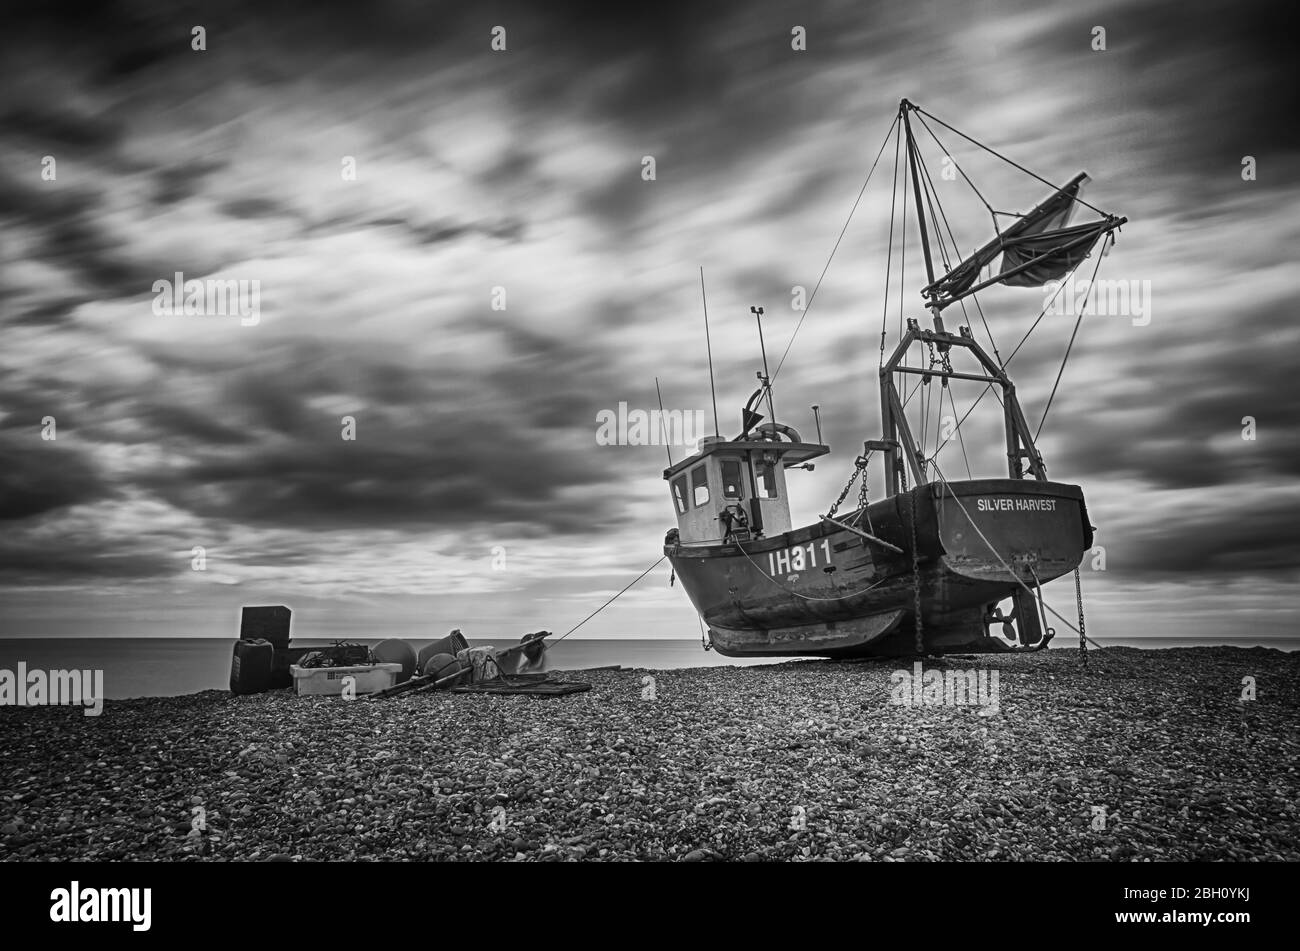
1142, 755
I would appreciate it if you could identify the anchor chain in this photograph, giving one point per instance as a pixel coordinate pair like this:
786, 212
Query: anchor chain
1078, 597
916, 579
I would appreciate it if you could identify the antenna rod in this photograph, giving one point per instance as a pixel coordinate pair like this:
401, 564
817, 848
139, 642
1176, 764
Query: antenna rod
818, 417
767, 380
717, 431
661, 423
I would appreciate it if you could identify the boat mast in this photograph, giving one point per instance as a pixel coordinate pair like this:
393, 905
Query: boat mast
905, 108
897, 441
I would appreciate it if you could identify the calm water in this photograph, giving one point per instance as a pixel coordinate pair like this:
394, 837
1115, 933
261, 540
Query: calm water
156, 666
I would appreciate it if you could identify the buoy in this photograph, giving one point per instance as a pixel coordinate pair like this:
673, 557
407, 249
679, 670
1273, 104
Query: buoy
443, 665
452, 644
396, 651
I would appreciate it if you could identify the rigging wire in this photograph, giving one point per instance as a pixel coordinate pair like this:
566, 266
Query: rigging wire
932, 199
961, 440
988, 387
889, 257
902, 265
813, 295
956, 246
997, 154
1070, 346
948, 154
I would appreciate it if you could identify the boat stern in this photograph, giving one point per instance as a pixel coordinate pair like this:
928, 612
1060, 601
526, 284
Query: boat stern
992, 529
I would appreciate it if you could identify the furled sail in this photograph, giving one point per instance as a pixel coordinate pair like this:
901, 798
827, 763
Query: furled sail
1038, 247
1033, 260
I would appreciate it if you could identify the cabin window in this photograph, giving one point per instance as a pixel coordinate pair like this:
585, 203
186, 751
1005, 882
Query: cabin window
732, 486
767, 480
699, 486
679, 494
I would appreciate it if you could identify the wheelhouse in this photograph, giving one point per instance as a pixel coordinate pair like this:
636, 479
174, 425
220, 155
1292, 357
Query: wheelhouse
735, 490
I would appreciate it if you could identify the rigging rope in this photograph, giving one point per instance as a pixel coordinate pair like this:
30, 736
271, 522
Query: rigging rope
953, 238
997, 154
889, 257
977, 192
902, 264
813, 295
1070, 346
988, 387
961, 440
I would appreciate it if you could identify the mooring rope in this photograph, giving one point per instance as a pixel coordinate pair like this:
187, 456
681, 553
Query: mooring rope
609, 602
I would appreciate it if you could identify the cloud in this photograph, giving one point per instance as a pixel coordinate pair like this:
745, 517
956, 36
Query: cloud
522, 171
41, 476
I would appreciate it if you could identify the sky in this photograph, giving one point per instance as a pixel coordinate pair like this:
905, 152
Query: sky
499, 269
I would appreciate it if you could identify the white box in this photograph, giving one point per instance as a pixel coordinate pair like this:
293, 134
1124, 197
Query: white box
328, 681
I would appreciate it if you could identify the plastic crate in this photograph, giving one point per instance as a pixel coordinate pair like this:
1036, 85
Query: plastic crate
328, 681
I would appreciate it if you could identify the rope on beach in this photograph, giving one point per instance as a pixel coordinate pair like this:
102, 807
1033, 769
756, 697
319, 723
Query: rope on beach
609, 602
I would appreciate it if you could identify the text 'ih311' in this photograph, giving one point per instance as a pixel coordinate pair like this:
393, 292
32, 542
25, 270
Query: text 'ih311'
930, 567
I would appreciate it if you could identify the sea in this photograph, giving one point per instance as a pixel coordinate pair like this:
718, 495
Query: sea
170, 666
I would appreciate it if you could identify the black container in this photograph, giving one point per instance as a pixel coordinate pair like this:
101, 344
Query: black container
250, 668
284, 659
270, 623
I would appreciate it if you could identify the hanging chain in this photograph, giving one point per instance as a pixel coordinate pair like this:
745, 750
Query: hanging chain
862, 495
860, 468
942, 363
1078, 597
916, 578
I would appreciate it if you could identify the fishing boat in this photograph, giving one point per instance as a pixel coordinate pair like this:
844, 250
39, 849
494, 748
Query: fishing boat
935, 566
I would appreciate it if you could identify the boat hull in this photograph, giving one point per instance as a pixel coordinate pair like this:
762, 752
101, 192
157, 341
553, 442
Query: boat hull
826, 591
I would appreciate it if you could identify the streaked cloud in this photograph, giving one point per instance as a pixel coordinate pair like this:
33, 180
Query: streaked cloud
521, 170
